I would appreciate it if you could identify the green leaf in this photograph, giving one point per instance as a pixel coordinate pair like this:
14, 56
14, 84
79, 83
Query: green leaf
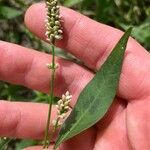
9, 13
70, 3
96, 98
25, 143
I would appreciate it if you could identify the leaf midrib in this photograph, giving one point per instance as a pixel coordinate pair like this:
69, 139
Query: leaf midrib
82, 115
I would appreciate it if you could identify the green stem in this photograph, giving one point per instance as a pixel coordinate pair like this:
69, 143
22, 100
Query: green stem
54, 129
47, 139
56, 125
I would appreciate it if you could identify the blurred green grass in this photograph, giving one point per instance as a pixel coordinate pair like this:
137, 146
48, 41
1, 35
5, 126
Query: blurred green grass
117, 13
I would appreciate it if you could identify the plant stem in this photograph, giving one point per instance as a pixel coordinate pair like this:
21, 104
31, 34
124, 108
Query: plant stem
46, 138
4, 142
54, 129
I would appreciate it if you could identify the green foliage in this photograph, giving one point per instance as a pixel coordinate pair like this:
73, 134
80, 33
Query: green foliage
120, 14
70, 3
4, 143
141, 32
96, 98
9, 13
15, 92
24, 144
11, 22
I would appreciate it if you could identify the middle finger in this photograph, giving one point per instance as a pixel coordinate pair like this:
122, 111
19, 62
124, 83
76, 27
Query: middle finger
27, 67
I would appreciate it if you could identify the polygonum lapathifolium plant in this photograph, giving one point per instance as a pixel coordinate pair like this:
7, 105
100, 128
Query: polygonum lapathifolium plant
95, 99
53, 33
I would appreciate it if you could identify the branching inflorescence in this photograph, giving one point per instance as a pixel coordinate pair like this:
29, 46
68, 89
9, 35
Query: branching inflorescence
54, 32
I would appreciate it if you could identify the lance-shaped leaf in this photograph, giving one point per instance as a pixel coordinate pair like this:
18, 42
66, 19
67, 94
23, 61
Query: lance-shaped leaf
96, 98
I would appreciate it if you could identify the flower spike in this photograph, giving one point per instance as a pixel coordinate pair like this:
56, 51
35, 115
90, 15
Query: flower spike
53, 21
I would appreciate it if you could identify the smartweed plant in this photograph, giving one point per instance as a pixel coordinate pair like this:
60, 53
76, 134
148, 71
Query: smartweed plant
96, 97
54, 32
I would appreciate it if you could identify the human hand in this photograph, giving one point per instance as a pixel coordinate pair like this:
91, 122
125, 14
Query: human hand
126, 125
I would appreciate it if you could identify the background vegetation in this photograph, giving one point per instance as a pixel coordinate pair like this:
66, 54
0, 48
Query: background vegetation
117, 13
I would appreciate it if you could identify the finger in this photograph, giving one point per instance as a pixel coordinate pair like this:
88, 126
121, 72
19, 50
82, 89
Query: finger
83, 37
27, 67
83, 141
138, 123
111, 130
28, 121
116, 108
81, 34
38, 148
23, 120
114, 136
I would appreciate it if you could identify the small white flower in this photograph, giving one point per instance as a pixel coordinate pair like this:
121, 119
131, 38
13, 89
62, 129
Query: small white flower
50, 66
54, 122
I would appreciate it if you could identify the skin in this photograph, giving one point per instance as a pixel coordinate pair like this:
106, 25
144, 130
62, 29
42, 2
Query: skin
127, 124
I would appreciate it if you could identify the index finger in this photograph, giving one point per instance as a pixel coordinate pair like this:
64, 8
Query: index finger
92, 42
82, 36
